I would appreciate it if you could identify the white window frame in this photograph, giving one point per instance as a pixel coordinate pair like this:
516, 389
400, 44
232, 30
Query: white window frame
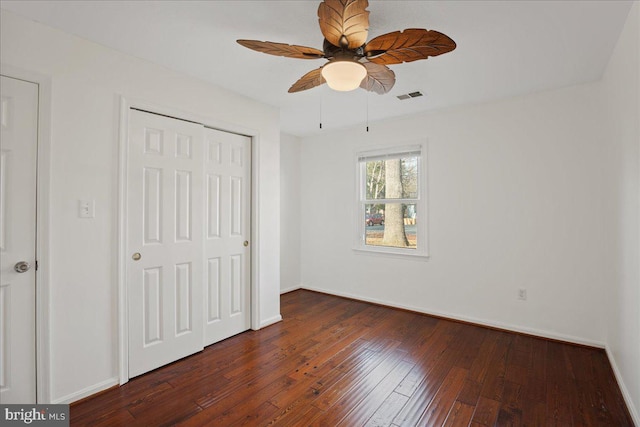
421, 250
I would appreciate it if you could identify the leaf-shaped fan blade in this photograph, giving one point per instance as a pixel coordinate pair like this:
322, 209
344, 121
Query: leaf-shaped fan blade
407, 46
283, 49
308, 81
344, 23
380, 79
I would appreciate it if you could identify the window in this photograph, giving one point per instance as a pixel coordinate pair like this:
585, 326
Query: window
391, 211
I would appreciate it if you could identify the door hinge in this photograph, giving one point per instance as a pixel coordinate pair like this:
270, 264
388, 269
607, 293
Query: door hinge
36, 265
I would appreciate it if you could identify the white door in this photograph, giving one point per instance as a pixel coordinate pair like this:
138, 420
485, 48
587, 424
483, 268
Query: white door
165, 239
19, 123
227, 245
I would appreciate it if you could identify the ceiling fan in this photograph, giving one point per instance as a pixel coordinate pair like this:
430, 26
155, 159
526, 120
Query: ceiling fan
353, 62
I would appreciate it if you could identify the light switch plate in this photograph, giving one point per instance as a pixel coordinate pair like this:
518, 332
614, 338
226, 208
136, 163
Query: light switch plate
86, 208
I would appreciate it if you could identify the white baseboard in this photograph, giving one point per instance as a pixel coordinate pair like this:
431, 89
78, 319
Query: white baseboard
70, 398
291, 289
623, 388
271, 321
481, 322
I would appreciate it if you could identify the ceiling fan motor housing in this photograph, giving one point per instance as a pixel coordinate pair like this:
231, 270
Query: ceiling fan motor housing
342, 53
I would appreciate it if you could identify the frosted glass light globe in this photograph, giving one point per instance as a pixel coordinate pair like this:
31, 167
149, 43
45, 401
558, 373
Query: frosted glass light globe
344, 75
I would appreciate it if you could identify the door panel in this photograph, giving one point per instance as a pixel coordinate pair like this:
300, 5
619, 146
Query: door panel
19, 133
228, 207
213, 290
166, 227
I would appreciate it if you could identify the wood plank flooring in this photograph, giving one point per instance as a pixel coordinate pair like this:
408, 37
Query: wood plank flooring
337, 362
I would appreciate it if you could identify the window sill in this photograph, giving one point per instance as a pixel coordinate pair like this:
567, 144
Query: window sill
389, 252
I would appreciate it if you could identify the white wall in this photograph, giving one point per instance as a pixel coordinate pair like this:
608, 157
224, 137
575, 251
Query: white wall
290, 191
515, 201
621, 91
87, 81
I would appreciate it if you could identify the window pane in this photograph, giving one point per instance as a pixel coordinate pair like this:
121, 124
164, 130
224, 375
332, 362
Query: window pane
392, 179
391, 224
375, 180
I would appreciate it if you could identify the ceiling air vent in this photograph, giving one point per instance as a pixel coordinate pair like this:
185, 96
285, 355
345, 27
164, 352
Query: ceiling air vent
409, 95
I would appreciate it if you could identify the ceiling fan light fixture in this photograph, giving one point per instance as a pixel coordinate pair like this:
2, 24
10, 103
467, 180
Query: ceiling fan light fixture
344, 76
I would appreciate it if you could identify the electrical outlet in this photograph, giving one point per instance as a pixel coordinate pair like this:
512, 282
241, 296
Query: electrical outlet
522, 294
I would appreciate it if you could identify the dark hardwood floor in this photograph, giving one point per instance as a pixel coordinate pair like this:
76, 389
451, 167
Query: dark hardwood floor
337, 362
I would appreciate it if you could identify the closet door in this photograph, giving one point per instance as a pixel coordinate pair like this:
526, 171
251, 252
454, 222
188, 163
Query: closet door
165, 238
227, 239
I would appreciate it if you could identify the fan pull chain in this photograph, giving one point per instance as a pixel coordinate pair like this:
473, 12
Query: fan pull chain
320, 111
367, 111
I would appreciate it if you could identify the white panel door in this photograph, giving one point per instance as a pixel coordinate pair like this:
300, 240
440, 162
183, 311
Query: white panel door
164, 240
19, 123
227, 242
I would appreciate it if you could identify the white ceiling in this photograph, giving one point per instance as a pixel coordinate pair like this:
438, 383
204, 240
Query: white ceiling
505, 48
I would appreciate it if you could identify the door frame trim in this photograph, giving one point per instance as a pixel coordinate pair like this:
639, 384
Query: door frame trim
126, 104
43, 191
